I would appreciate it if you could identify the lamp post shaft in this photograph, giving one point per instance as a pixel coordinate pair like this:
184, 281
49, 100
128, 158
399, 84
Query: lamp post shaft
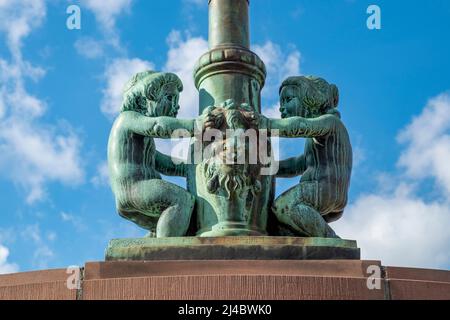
228, 23
229, 70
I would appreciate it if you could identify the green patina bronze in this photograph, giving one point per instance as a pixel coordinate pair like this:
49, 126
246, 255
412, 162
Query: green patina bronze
231, 248
308, 108
223, 198
148, 111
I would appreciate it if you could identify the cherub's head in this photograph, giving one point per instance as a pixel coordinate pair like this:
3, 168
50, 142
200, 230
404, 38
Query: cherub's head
154, 94
307, 97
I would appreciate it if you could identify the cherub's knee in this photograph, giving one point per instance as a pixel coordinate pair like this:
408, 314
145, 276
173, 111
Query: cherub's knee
125, 210
280, 207
121, 206
333, 216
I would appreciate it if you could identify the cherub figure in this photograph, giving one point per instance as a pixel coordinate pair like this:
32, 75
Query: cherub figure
148, 111
308, 108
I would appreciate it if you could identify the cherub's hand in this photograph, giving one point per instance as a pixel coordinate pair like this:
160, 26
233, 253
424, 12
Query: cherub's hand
252, 118
261, 121
159, 130
212, 118
255, 119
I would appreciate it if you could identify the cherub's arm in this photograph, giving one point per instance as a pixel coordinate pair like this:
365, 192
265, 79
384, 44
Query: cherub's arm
292, 167
156, 127
168, 166
296, 127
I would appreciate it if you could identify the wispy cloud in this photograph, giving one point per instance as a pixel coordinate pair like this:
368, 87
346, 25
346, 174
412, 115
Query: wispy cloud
427, 140
33, 152
280, 64
184, 51
102, 176
77, 222
106, 13
89, 48
116, 76
17, 21
43, 253
182, 56
5, 266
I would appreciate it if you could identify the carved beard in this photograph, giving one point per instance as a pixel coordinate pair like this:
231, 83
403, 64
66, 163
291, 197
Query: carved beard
232, 179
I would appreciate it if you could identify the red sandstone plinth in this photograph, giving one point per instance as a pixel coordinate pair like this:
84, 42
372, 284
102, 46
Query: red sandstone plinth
234, 280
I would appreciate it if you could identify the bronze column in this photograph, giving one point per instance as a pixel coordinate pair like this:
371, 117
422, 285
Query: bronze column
229, 70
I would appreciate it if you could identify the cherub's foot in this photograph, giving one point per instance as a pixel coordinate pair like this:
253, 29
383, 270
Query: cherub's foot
305, 221
331, 233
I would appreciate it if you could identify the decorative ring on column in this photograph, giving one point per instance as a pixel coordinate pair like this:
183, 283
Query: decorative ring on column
226, 59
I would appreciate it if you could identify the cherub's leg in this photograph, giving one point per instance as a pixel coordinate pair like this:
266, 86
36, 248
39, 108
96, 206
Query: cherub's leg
143, 221
333, 216
306, 220
159, 206
301, 217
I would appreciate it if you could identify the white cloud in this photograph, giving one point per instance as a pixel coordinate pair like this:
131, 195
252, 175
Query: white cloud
280, 64
5, 266
397, 224
89, 48
399, 229
18, 19
106, 13
272, 112
184, 51
117, 75
428, 143
183, 54
181, 59
33, 153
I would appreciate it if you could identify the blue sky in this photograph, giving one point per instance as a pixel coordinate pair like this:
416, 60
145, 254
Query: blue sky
60, 90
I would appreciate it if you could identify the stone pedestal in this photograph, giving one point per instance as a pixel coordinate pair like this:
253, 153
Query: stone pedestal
231, 248
230, 280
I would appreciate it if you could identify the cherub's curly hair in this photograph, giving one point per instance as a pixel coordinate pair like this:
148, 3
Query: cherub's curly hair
146, 85
318, 93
